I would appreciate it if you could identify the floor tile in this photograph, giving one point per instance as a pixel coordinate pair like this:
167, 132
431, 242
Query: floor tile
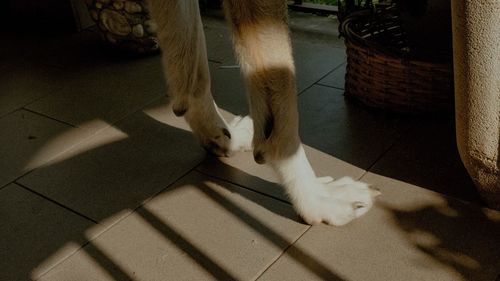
314, 28
29, 141
218, 39
313, 61
241, 169
345, 130
36, 234
161, 111
427, 156
314, 55
229, 89
411, 234
198, 229
24, 82
76, 53
117, 169
335, 79
95, 99
118, 147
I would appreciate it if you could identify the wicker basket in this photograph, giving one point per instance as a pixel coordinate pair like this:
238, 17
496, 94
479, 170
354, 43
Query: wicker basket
385, 71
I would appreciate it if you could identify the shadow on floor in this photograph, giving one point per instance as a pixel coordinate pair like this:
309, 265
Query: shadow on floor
147, 136
103, 204
453, 237
446, 251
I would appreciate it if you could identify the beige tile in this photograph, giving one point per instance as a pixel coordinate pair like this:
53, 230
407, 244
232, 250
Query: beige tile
242, 170
198, 229
117, 169
29, 140
345, 130
335, 79
427, 156
320, 108
161, 111
411, 234
93, 100
36, 234
239, 169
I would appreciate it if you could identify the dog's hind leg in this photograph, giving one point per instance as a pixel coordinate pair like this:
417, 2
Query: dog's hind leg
181, 38
263, 47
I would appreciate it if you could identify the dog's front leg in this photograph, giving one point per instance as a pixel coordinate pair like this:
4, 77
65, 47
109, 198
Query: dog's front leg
182, 40
263, 47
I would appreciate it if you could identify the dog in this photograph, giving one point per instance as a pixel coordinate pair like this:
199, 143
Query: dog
263, 48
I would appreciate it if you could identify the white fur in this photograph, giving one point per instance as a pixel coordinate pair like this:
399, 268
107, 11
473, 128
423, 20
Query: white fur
322, 199
241, 129
263, 48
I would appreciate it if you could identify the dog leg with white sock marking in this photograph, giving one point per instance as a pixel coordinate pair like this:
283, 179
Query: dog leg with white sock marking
184, 56
262, 43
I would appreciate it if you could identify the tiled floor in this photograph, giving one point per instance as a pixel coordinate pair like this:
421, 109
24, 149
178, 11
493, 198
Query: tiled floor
100, 181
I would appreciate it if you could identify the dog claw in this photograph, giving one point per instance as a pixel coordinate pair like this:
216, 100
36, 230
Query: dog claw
226, 133
374, 191
326, 179
358, 205
213, 148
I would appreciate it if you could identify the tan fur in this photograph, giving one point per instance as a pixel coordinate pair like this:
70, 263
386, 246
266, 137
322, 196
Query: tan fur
181, 37
262, 44
263, 48
264, 51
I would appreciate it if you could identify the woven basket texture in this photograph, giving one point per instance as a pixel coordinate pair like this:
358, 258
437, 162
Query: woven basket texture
384, 69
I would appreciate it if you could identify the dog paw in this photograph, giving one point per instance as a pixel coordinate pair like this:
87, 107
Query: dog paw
336, 202
217, 141
241, 129
224, 139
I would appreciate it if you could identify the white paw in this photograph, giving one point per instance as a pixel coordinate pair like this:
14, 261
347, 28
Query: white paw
241, 129
336, 202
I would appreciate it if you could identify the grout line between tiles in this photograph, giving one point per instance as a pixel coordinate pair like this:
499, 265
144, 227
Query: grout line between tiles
16, 179
214, 61
154, 195
31, 102
56, 203
242, 186
336, 68
333, 87
49, 117
142, 204
283, 252
63, 260
396, 140
367, 170
10, 112
87, 137
321, 78
108, 227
